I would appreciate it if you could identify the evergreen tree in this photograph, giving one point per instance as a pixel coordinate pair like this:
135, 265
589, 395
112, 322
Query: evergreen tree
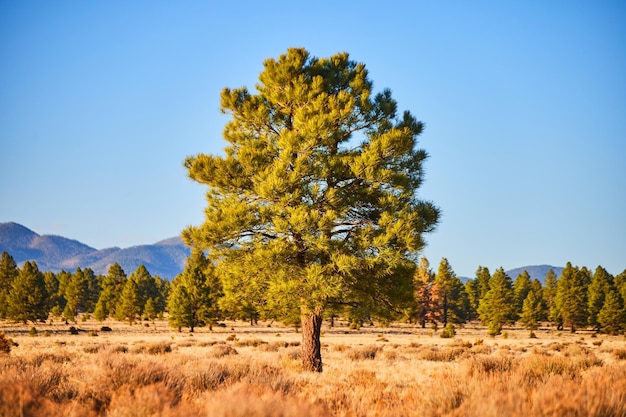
325, 219
52, 288
28, 298
549, 297
147, 287
76, 294
179, 308
482, 281
112, 286
571, 297
57, 300
202, 292
600, 285
149, 310
129, 303
471, 289
532, 308
498, 306
521, 288
620, 284
425, 307
612, 315
453, 303
537, 288
8, 273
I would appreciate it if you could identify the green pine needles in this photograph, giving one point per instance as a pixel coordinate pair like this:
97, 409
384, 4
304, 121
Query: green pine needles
314, 203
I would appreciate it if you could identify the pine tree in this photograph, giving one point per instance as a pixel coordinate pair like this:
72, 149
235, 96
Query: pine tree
112, 286
128, 305
179, 308
521, 288
571, 297
326, 220
76, 294
8, 273
146, 286
453, 303
549, 297
202, 292
498, 306
482, 281
600, 285
612, 315
57, 300
425, 308
28, 295
471, 289
149, 310
532, 309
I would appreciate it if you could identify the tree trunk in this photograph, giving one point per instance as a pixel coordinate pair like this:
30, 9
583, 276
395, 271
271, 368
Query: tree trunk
311, 346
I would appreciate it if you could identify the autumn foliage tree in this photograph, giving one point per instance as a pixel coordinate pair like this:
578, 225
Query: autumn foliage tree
318, 189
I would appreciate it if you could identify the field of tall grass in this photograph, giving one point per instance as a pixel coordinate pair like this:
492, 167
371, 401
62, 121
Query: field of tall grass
255, 371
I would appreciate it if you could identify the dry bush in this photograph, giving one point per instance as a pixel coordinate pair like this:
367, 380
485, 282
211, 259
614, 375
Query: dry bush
6, 343
441, 354
157, 348
620, 354
340, 347
244, 400
364, 352
497, 364
250, 342
219, 351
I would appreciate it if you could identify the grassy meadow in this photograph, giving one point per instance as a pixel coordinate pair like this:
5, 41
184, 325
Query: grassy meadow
239, 370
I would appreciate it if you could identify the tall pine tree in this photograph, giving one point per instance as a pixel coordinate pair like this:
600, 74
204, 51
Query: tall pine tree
28, 297
498, 306
571, 297
318, 189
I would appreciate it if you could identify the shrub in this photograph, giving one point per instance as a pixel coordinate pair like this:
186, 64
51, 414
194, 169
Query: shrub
32, 332
73, 330
620, 354
366, 352
219, 351
249, 342
159, 348
491, 364
6, 343
448, 331
105, 329
435, 354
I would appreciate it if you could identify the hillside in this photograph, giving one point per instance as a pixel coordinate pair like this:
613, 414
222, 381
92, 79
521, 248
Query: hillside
55, 253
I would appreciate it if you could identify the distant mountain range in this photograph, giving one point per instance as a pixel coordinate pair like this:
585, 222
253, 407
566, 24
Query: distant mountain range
55, 253
165, 258
535, 271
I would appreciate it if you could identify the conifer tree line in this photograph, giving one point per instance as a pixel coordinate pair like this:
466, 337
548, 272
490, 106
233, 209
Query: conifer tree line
578, 299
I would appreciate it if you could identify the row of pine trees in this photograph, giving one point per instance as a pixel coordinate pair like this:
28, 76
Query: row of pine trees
197, 297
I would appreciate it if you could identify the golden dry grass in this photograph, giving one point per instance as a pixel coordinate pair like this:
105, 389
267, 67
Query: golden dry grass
255, 371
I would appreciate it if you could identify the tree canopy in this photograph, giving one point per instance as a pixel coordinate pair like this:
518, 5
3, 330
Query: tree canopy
317, 189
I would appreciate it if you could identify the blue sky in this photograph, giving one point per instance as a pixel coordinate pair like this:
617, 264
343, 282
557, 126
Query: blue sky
524, 105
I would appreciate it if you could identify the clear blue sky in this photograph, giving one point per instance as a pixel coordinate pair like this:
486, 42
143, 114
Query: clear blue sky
524, 105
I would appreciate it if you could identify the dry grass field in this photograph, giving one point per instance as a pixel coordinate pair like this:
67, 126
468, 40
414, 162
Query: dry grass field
240, 370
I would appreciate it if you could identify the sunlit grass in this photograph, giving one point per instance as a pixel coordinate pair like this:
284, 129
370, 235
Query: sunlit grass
138, 371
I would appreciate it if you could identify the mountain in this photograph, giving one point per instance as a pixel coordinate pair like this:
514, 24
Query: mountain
55, 253
535, 271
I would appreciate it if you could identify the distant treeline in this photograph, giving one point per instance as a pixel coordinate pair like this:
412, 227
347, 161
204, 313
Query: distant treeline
577, 299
